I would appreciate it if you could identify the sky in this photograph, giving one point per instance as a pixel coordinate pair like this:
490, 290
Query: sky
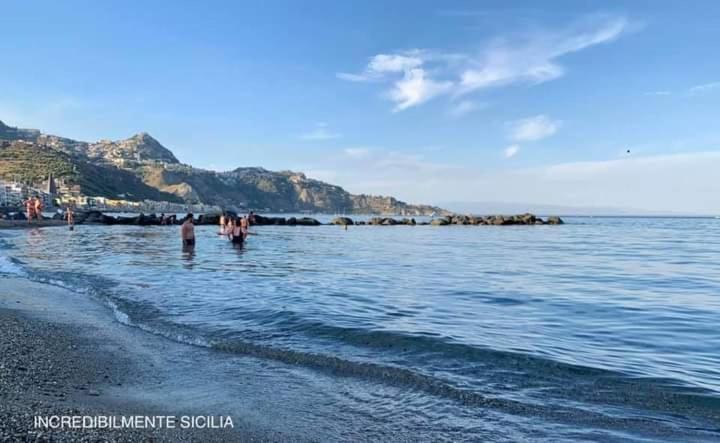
431, 102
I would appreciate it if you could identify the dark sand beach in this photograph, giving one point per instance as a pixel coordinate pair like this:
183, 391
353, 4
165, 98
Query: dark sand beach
58, 361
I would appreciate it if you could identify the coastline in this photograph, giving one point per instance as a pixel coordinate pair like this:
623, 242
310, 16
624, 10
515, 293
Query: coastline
59, 361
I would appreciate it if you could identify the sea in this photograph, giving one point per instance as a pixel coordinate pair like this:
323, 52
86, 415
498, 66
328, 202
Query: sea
601, 329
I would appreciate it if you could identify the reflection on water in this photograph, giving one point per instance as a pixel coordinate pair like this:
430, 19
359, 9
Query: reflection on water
598, 315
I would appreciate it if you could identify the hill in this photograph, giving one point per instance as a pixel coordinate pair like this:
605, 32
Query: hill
143, 168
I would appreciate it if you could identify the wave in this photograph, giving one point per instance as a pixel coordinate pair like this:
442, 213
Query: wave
11, 267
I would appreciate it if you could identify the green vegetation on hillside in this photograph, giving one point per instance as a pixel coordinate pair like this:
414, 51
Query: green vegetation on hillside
32, 163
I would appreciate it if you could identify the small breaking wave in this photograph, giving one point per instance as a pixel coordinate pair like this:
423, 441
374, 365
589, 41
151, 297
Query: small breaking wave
11, 267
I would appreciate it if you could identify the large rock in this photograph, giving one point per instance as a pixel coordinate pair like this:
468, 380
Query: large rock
342, 221
555, 220
208, 219
307, 221
440, 222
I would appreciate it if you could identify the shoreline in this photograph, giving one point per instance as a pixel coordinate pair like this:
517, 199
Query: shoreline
62, 361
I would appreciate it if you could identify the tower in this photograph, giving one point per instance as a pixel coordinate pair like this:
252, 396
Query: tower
51, 187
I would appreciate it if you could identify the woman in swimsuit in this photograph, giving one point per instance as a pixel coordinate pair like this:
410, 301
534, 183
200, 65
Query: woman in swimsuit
237, 236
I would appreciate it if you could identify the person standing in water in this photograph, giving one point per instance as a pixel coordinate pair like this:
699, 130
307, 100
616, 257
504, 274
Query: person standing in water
187, 232
30, 209
38, 208
70, 216
237, 237
222, 223
244, 224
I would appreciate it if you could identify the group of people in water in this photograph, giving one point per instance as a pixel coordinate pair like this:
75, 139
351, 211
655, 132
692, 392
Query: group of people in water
33, 208
235, 228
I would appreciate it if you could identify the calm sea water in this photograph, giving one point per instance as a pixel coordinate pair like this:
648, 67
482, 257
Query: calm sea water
600, 329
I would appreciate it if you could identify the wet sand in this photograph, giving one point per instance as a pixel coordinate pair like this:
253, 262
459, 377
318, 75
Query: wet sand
61, 361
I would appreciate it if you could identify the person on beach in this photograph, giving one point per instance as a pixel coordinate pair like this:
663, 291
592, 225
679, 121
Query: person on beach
237, 236
251, 218
30, 209
187, 232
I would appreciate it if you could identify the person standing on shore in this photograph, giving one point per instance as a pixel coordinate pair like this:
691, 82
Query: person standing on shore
222, 223
187, 232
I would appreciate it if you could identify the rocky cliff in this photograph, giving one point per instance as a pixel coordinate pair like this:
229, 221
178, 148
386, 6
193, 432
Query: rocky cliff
153, 172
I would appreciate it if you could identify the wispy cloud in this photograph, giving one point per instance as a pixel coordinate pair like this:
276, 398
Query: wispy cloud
416, 87
356, 152
465, 107
704, 88
418, 76
533, 128
321, 132
511, 150
658, 93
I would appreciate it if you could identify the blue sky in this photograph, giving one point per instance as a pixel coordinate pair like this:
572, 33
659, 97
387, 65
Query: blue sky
428, 101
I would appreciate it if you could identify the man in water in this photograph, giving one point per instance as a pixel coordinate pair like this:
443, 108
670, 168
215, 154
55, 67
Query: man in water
187, 232
38, 207
70, 216
30, 209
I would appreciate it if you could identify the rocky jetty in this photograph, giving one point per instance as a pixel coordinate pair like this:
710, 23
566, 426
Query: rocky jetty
97, 217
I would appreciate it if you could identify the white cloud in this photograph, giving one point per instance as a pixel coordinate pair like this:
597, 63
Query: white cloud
321, 132
511, 150
416, 88
659, 93
385, 63
704, 88
533, 128
465, 107
532, 59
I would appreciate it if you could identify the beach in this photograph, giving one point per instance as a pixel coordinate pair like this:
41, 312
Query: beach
58, 362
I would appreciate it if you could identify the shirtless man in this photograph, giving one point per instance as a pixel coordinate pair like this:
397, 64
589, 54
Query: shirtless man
30, 209
38, 207
244, 227
187, 232
70, 216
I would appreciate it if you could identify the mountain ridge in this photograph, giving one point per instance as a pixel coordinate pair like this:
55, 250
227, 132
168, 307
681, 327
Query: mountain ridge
160, 173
